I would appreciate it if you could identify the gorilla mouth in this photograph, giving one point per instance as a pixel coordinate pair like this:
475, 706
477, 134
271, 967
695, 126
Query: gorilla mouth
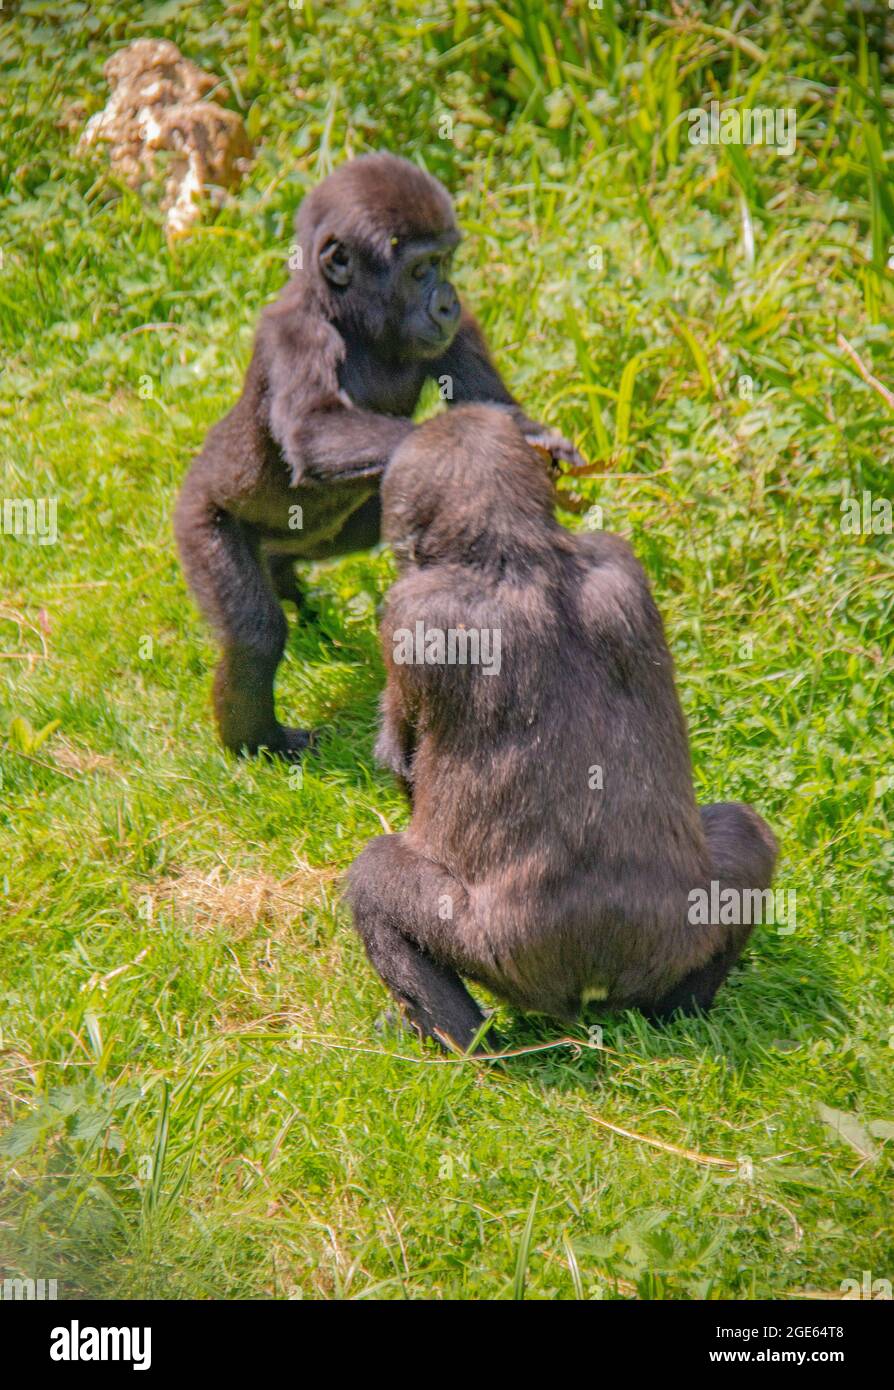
435, 339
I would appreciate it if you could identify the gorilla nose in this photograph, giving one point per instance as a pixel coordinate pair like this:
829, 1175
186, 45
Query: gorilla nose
444, 307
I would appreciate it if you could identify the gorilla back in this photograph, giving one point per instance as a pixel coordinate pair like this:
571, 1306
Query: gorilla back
555, 837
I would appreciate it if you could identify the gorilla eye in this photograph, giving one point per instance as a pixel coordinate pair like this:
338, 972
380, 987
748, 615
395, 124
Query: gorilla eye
420, 271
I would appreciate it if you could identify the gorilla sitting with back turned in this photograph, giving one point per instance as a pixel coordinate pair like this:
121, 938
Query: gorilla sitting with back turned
293, 471
520, 868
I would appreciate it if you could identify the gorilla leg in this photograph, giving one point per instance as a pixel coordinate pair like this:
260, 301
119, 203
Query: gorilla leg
361, 531
695, 992
283, 578
396, 898
223, 567
743, 853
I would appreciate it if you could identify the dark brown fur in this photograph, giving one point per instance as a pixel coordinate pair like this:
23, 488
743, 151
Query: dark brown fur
339, 362
556, 890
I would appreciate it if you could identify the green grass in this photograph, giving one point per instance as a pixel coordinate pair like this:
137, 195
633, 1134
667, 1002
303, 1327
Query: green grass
195, 1098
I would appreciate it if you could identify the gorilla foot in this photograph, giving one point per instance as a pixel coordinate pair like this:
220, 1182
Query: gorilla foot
294, 744
288, 745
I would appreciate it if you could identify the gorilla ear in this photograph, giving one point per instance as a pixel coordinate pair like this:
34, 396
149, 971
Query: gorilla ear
336, 263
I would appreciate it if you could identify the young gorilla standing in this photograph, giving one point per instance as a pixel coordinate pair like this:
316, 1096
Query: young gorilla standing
292, 472
555, 837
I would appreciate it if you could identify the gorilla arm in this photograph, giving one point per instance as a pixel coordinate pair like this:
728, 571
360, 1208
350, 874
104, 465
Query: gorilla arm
322, 436
472, 376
